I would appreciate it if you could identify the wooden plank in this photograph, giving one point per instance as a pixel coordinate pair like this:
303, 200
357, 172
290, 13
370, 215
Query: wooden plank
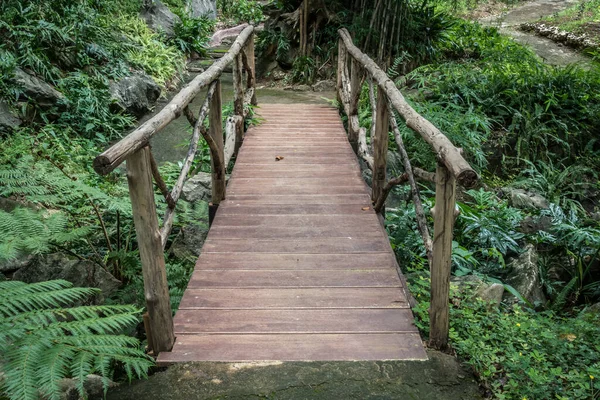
366, 222
295, 190
341, 245
258, 173
295, 261
294, 321
285, 232
220, 278
247, 199
312, 181
194, 299
307, 209
296, 347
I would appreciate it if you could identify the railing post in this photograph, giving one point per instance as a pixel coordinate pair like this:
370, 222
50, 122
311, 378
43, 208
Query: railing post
443, 224
238, 101
251, 84
380, 147
215, 130
355, 87
340, 70
156, 290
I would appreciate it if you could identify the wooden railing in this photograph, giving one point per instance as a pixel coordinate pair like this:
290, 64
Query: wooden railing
141, 168
353, 68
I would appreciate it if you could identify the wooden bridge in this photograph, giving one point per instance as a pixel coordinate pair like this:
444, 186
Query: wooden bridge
297, 265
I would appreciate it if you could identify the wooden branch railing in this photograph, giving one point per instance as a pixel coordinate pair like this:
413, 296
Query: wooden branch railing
141, 169
451, 167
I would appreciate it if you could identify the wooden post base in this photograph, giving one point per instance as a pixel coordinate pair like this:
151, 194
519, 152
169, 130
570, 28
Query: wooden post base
212, 212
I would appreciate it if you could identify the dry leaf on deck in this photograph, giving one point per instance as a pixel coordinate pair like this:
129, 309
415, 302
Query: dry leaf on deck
278, 158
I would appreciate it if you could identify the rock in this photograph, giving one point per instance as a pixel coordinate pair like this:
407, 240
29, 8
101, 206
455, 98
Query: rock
300, 88
188, 244
136, 93
394, 163
520, 198
219, 36
199, 8
524, 276
159, 18
197, 188
36, 89
16, 264
594, 309
534, 225
93, 387
324, 86
489, 292
277, 74
80, 273
8, 119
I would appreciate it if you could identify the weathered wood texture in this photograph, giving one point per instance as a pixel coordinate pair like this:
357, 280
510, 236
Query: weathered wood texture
115, 155
443, 224
156, 290
296, 265
444, 149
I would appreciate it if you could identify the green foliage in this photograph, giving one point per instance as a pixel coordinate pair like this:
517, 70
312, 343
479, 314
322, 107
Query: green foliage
545, 112
268, 40
192, 34
518, 353
579, 18
304, 70
489, 227
239, 11
43, 339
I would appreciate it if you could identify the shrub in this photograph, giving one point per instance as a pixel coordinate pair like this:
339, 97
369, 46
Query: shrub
43, 339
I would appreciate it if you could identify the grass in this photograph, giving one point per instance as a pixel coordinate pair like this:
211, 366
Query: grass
582, 18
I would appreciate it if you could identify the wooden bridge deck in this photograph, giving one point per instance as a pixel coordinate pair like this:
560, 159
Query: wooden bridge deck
296, 266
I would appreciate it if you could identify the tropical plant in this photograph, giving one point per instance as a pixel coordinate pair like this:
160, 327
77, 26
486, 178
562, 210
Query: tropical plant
43, 339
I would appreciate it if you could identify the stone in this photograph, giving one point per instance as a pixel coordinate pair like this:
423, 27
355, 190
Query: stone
81, 273
44, 94
135, 94
93, 388
524, 277
277, 74
159, 18
188, 244
394, 164
15, 264
531, 225
8, 119
440, 377
301, 88
223, 36
197, 188
523, 199
200, 8
324, 86
489, 292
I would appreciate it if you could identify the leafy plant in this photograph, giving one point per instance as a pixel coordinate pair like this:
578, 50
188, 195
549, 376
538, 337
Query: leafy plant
240, 11
192, 34
43, 339
489, 226
303, 70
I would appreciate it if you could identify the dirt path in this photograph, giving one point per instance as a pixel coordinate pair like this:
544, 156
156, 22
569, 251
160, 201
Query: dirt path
551, 52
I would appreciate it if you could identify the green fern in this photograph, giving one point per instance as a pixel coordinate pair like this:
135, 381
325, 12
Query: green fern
42, 340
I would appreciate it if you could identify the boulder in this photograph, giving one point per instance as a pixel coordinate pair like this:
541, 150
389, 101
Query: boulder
93, 387
523, 199
15, 264
219, 36
135, 94
36, 89
489, 292
8, 119
199, 8
159, 18
524, 276
188, 244
324, 86
532, 225
394, 164
197, 188
80, 273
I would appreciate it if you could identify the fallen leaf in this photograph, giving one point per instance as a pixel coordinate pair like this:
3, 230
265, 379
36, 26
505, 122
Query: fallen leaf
366, 208
278, 158
569, 336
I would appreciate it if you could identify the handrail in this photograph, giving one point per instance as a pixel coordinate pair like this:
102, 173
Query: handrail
116, 154
141, 169
451, 167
